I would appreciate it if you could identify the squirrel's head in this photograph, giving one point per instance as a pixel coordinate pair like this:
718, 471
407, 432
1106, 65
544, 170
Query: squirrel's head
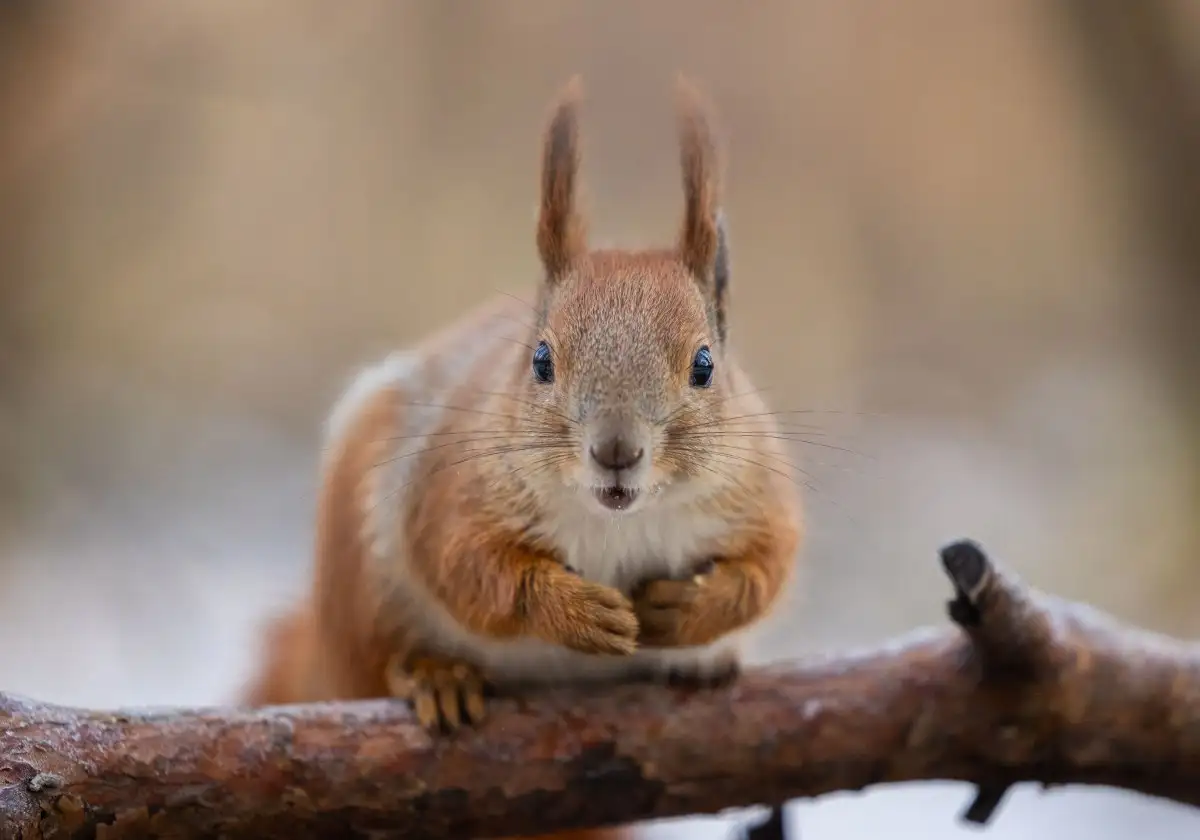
626, 364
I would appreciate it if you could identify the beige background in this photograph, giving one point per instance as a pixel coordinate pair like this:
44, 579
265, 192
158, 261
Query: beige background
211, 212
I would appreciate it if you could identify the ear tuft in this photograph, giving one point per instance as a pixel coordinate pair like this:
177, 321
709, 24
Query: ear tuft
700, 161
721, 269
561, 234
702, 241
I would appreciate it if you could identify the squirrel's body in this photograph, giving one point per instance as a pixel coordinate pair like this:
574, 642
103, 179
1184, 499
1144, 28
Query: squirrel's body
390, 428
585, 487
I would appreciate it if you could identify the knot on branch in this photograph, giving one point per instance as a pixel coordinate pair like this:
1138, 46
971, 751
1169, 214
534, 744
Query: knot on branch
1058, 667
1008, 623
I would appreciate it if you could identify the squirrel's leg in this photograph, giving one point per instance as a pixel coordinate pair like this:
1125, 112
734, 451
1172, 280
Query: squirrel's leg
505, 591
500, 593
721, 595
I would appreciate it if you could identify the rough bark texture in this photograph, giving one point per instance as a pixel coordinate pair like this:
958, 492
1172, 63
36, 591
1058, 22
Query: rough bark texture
1034, 690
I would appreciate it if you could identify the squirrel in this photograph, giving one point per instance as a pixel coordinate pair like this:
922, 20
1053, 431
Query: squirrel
602, 496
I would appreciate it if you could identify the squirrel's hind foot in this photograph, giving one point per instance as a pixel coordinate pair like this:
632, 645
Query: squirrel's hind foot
445, 692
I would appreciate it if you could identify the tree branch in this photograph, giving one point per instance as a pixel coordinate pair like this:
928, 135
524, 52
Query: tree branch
1035, 689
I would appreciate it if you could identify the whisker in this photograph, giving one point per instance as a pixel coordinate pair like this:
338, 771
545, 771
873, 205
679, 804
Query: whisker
701, 449
792, 428
690, 467
683, 407
735, 458
544, 464
531, 443
728, 447
805, 411
784, 436
723, 470
535, 327
766, 421
731, 453
516, 341
506, 450
548, 409
519, 300
446, 433
464, 409
513, 320
477, 455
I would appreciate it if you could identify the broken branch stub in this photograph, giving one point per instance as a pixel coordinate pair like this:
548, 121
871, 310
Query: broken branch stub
1026, 688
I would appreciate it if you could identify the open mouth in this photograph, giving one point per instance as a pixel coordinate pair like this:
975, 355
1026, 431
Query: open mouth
616, 498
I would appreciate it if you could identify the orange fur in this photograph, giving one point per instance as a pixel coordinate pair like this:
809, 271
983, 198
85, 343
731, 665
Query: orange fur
288, 645
462, 539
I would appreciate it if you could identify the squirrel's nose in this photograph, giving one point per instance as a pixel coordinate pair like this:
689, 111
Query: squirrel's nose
616, 453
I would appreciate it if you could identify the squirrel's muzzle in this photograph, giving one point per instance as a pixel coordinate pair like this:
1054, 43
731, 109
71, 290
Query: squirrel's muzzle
617, 453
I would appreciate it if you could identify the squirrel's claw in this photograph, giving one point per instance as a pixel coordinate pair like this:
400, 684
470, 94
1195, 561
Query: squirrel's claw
444, 693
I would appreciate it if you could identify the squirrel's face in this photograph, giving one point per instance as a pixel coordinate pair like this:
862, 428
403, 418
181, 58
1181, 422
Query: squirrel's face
626, 370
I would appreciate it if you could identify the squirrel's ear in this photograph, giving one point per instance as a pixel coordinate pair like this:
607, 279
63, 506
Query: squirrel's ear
702, 241
561, 234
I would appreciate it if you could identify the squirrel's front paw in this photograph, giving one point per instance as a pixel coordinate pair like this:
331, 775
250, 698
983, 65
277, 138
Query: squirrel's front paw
444, 692
666, 608
585, 616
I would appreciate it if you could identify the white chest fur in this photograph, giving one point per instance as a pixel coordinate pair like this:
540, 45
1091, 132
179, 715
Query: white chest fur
620, 550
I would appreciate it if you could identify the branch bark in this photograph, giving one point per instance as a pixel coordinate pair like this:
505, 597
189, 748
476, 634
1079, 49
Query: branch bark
1026, 688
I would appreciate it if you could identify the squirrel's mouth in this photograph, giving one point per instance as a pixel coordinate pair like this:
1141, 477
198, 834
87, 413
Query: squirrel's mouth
616, 498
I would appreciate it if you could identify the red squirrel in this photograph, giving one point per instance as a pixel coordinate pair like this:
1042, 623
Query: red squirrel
588, 488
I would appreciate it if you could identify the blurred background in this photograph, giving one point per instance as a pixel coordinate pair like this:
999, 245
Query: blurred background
965, 231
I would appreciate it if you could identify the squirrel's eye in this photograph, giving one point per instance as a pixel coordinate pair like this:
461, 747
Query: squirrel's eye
702, 368
543, 365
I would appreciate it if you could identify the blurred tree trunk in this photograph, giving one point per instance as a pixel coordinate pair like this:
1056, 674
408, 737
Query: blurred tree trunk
1134, 56
42, 105
31, 51
20, 28
1134, 59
